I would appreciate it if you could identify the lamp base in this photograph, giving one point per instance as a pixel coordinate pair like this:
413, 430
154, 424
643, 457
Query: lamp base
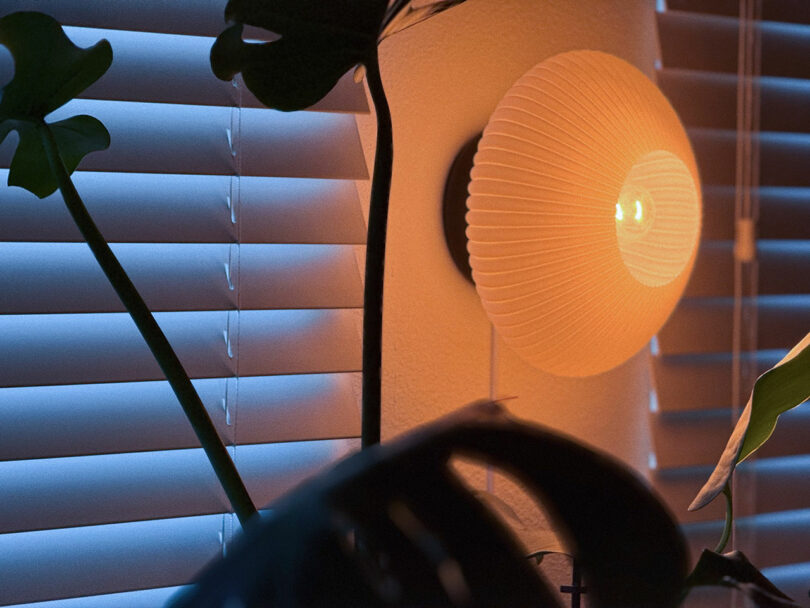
454, 207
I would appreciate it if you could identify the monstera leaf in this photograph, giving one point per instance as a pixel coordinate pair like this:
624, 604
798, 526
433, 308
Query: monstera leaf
776, 391
320, 41
394, 526
49, 71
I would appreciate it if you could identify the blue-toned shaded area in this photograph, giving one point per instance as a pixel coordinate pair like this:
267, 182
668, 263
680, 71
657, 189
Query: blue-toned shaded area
242, 227
155, 208
92, 560
106, 347
146, 598
86, 419
98, 489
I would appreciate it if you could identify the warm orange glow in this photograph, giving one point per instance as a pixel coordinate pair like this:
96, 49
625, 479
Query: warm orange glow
584, 213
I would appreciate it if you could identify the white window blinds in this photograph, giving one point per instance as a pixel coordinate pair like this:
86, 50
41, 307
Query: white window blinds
242, 229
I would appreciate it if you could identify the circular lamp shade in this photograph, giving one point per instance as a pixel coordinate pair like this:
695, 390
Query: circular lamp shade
584, 213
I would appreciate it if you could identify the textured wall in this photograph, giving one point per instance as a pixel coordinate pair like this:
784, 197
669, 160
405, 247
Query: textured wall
443, 79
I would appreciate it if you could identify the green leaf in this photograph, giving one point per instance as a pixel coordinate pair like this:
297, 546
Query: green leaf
320, 41
397, 527
49, 70
734, 570
401, 17
778, 390
75, 137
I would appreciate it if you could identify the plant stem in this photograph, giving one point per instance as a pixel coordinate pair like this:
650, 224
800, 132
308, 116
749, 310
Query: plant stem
375, 258
154, 336
393, 11
729, 520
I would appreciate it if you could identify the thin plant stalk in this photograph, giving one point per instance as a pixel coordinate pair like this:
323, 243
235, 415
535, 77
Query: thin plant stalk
721, 545
375, 258
155, 338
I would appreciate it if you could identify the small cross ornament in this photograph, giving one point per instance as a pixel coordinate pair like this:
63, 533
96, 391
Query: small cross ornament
575, 588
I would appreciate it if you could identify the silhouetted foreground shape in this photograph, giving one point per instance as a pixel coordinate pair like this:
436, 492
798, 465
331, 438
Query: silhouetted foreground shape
733, 570
394, 526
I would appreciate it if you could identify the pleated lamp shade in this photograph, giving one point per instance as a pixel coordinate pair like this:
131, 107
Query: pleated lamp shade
584, 213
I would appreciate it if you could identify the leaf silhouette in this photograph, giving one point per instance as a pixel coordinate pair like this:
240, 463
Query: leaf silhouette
734, 570
320, 41
778, 390
402, 17
49, 71
396, 527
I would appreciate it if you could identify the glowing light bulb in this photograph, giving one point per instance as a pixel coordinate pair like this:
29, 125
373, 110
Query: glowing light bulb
619, 212
639, 211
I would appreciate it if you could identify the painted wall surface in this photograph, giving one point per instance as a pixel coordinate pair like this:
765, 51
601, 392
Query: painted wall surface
443, 79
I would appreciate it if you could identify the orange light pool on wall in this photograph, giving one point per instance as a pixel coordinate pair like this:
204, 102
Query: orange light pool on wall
584, 213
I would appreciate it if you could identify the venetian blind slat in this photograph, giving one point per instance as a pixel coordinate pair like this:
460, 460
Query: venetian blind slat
176, 277
52, 493
170, 138
106, 347
144, 598
89, 419
94, 560
147, 207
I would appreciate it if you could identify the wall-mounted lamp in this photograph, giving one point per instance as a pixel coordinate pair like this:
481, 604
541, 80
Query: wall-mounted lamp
584, 213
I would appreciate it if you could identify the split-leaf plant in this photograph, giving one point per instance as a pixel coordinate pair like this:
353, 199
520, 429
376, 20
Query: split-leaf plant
49, 71
394, 526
